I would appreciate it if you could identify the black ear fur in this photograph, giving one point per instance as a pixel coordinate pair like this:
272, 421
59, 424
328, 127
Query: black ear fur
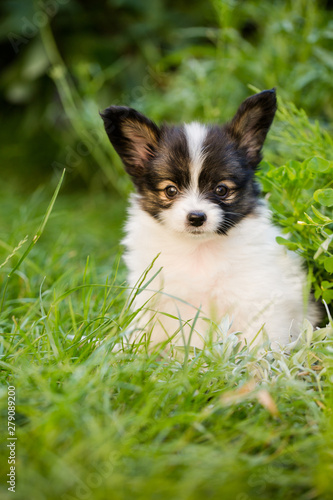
133, 136
251, 123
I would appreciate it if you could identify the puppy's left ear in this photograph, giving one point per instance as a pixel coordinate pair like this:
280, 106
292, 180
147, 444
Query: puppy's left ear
251, 123
133, 136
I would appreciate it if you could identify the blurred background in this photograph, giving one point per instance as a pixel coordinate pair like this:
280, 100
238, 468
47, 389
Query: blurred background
64, 60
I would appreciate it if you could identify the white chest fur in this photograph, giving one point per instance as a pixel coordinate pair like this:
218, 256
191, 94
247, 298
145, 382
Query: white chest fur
244, 274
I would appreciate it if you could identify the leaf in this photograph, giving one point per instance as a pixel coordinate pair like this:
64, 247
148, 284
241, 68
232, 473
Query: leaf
310, 219
324, 246
327, 284
290, 173
327, 296
328, 264
287, 243
317, 164
319, 214
324, 197
294, 165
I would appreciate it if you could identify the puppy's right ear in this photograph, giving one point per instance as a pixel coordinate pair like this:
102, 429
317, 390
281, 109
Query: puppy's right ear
133, 136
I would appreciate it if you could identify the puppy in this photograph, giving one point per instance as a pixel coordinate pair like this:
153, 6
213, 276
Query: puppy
197, 207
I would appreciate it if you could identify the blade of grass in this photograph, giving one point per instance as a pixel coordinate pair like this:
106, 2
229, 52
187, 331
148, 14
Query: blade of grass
35, 238
41, 228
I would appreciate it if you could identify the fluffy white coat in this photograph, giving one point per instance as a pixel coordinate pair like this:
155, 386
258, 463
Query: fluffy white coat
245, 275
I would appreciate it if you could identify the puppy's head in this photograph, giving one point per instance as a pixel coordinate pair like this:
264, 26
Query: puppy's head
194, 178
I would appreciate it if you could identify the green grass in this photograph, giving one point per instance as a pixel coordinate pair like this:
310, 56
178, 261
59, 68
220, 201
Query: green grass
94, 422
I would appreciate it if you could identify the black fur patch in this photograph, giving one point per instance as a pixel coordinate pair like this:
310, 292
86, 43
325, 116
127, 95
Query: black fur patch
170, 163
224, 162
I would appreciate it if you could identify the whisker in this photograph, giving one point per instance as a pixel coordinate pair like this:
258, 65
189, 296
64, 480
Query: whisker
229, 223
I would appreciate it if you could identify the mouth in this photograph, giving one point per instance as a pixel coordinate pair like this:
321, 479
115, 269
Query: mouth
196, 231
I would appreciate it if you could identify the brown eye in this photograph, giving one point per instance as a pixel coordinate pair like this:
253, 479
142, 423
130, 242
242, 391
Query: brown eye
222, 190
171, 191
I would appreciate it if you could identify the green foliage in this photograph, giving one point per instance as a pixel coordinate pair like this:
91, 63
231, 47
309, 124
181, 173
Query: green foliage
174, 61
266, 44
300, 194
107, 50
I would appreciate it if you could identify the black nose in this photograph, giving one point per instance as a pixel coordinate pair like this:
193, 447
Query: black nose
196, 218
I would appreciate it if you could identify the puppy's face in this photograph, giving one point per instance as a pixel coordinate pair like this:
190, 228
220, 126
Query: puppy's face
194, 179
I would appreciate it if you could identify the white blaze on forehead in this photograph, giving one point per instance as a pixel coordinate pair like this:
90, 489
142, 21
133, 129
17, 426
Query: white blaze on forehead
195, 135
